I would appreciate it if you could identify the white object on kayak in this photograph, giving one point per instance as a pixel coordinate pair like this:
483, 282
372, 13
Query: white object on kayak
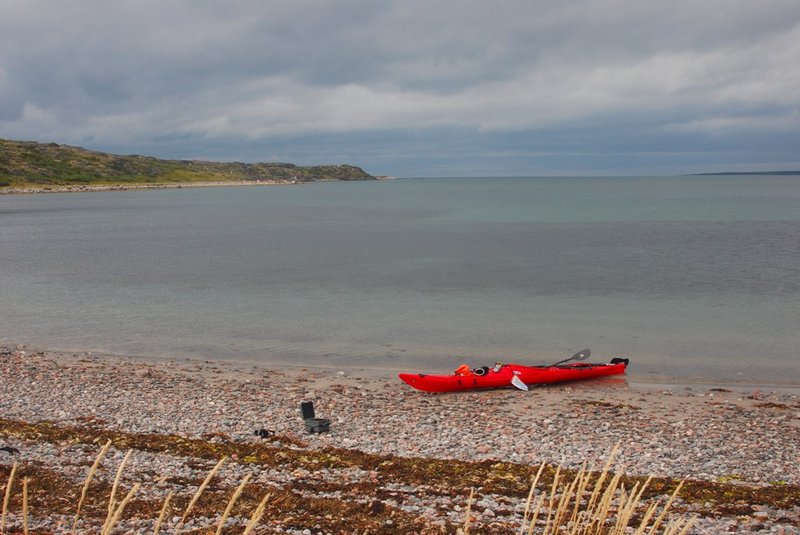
516, 381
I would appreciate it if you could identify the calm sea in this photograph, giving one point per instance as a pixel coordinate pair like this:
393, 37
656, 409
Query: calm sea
687, 276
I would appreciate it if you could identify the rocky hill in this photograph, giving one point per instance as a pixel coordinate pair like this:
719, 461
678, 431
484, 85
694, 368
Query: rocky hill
28, 163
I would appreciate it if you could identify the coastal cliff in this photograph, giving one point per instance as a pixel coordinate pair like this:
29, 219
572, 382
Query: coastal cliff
31, 164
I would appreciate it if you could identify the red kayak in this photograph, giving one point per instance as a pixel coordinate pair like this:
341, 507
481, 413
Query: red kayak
512, 375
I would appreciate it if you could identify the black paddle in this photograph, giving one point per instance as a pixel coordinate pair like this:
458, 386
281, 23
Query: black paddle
580, 355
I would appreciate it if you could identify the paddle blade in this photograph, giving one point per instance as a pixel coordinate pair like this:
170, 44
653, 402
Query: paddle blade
580, 355
516, 381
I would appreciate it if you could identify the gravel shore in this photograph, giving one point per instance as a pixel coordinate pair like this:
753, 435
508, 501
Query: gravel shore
732, 436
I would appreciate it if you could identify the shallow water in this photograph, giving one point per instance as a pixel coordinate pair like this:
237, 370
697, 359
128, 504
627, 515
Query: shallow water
687, 276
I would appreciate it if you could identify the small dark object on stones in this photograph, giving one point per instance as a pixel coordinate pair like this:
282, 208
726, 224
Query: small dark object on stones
307, 409
9, 449
317, 425
313, 425
264, 433
376, 507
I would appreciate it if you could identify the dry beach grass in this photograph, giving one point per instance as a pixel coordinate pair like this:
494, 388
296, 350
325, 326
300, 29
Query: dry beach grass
395, 461
604, 508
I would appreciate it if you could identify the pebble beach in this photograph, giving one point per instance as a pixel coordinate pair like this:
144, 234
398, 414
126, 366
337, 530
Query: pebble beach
727, 438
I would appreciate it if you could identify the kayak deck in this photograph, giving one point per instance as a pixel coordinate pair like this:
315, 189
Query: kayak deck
502, 377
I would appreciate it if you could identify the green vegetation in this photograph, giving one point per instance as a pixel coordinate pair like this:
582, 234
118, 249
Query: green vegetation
31, 164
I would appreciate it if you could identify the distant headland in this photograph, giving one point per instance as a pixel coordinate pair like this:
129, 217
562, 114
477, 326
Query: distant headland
33, 166
728, 173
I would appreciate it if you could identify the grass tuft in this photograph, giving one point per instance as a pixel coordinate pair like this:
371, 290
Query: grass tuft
6, 498
568, 503
202, 488
88, 481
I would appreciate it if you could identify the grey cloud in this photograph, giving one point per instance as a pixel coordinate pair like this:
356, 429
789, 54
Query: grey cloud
255, 74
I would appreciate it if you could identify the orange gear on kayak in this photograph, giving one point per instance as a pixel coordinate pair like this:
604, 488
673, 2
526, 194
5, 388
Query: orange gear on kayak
463, 370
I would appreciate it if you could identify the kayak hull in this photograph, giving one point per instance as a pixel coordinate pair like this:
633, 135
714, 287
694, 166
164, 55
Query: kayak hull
502, 378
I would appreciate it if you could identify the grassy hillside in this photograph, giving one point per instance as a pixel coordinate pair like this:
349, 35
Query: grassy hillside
27, 163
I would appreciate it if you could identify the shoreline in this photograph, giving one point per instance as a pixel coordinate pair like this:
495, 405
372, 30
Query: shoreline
89, 188
56, 406
632, 379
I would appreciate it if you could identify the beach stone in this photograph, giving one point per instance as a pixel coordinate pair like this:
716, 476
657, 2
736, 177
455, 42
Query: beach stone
672, 435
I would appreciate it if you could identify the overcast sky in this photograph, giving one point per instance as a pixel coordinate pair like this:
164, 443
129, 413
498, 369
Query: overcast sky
411, 88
